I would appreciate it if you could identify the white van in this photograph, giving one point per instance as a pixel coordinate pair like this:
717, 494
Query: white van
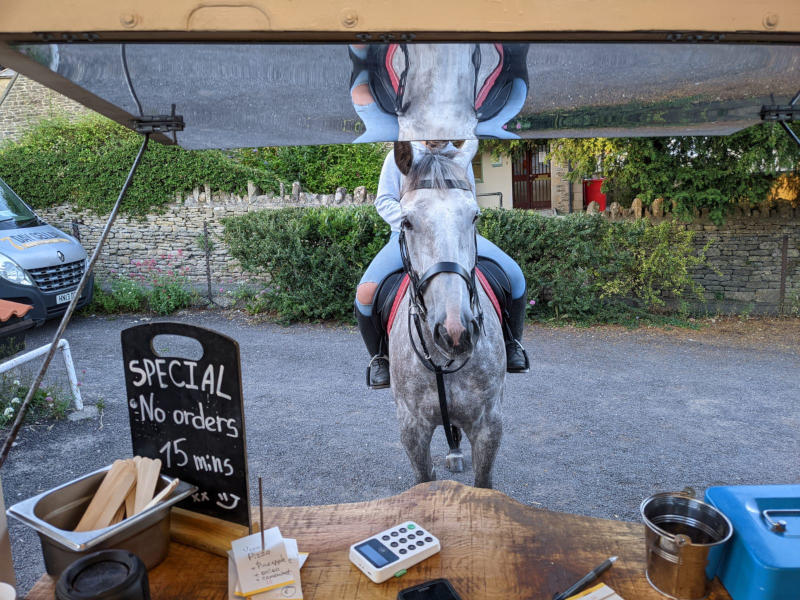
39, 264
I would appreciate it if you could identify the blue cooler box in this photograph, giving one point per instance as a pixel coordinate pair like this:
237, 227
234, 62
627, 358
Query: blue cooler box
762, 559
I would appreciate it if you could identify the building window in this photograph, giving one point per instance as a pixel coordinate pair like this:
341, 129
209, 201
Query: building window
477, 168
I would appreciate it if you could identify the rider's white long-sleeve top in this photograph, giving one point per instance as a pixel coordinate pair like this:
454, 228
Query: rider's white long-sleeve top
387, 202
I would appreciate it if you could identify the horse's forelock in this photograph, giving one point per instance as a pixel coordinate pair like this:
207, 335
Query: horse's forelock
435, 166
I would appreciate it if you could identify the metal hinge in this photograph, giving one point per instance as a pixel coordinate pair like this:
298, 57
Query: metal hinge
783, 115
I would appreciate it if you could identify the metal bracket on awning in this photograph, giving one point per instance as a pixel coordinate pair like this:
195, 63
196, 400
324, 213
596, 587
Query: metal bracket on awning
783, 115
171, 123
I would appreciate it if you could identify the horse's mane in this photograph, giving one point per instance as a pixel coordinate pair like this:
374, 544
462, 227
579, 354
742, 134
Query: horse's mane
436, 166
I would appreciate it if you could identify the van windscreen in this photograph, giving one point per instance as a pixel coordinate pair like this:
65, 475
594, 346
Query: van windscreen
13, 211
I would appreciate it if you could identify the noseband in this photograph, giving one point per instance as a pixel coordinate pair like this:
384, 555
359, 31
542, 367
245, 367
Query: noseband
418, 285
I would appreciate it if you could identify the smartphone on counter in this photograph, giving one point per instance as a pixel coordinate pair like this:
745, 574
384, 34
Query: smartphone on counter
437, 589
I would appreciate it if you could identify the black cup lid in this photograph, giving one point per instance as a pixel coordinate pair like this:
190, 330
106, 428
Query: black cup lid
106, 574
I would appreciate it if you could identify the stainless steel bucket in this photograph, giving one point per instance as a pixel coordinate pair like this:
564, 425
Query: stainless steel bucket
680, 531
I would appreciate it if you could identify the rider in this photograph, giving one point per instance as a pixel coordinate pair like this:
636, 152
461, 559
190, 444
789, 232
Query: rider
388, 261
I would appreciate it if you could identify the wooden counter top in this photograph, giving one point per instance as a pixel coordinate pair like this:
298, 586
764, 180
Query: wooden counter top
493, 548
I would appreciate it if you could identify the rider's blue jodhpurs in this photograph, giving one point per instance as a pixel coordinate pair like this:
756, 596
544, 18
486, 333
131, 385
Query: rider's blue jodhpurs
388, 261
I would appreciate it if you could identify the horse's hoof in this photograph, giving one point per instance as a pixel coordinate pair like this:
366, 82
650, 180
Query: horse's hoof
455, 462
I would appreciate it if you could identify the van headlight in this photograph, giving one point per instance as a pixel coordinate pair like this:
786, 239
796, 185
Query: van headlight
11, 271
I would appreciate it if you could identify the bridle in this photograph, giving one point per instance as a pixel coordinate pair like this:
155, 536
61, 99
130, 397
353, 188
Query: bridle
419, 283
417, 309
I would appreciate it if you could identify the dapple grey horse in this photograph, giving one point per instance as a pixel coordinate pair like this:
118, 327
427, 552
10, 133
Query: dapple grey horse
440, 86
439, 225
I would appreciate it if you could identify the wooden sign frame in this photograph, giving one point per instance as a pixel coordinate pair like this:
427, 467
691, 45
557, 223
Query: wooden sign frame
190, 414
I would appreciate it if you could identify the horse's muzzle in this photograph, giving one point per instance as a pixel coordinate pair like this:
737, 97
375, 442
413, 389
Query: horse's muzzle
461, 341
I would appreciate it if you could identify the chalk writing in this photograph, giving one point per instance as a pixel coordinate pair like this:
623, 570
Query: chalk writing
189, 413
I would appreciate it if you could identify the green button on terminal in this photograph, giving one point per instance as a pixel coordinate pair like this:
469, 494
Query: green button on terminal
400, 573
410, 526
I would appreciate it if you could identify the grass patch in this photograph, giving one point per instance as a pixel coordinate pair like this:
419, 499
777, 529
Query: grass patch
49, 403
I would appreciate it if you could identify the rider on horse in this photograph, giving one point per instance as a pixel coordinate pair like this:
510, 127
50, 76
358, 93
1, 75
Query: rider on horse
388, 260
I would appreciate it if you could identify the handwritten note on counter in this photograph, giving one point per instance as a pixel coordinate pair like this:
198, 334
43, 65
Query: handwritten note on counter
269, 574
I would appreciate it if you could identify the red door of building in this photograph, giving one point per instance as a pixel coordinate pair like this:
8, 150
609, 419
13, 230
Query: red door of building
530, 179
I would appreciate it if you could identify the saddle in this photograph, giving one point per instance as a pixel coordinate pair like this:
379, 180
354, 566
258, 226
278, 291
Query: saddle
391, 290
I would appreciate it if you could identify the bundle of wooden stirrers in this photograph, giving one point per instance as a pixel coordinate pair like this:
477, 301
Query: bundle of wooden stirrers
127, 489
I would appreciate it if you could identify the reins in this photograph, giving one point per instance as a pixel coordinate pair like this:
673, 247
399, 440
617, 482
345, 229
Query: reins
417, 308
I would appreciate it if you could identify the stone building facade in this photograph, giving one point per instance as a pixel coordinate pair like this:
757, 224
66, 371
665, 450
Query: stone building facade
23, 102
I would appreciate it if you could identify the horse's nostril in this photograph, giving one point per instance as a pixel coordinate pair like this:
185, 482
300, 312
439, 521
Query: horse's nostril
441, 336
476, 329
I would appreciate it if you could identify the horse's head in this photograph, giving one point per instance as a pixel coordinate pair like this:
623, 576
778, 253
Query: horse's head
439, 214
439, 93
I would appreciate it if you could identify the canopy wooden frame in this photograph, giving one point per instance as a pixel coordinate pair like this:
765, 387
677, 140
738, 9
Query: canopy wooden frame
445, 20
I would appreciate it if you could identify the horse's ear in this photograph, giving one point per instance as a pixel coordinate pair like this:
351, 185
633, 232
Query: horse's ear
466, 153
403, 156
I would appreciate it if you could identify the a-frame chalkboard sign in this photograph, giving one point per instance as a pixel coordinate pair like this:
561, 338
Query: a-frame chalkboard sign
190, 414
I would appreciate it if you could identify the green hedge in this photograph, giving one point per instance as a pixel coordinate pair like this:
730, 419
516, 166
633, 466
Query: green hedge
320, 169
580, 267
314, 258
84, 163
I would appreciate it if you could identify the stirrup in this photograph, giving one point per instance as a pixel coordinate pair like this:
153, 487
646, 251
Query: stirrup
527, 366
369, 372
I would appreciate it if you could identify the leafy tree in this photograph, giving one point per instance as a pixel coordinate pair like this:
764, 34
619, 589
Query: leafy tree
697, 172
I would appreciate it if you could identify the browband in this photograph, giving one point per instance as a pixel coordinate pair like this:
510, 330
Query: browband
450, 184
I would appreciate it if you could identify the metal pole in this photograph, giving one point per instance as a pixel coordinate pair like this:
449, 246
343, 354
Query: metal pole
63, 344
207, 247
70, 309
784, 267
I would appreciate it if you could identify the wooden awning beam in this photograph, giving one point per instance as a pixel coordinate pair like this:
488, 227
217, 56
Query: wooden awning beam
423, 20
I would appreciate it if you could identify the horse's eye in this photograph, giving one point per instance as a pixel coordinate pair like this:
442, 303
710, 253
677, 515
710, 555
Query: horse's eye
406, 224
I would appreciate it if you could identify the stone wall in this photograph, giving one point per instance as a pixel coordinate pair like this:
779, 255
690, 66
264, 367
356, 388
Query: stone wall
745, 257
172, 240
752, 257
28, 102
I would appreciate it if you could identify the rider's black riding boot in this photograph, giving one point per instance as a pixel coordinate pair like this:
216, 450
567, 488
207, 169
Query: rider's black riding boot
378, 368
516, 357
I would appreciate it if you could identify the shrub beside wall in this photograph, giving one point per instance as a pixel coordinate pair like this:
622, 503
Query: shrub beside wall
579, 267
313, 257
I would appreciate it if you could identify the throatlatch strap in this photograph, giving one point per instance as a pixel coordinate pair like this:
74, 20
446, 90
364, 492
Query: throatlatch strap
448, 430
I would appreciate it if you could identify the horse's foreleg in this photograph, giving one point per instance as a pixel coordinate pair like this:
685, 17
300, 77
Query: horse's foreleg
416, 437
485, 436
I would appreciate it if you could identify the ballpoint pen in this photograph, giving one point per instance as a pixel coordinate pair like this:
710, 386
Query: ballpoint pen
586, 579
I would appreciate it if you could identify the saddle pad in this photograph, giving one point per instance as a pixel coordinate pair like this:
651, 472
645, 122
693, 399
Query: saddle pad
401, 292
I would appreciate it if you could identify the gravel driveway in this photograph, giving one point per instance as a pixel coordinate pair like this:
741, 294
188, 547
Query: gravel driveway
605, 418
